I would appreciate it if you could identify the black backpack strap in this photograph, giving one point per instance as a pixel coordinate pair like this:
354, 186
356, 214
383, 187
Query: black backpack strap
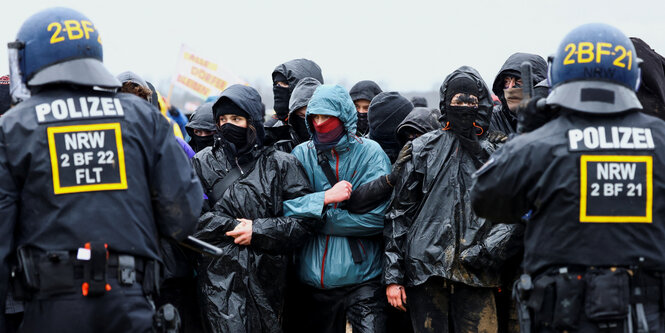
354, 242
222, 184
327, 170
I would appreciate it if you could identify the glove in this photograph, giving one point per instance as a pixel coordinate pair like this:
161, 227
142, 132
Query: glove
497, 137
533, 113
403, 157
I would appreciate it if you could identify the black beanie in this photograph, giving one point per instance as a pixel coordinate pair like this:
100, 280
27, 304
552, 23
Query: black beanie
364, 90
458, 85
226, 106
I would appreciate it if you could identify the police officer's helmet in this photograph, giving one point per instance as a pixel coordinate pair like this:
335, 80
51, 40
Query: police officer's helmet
59, 45
595, 70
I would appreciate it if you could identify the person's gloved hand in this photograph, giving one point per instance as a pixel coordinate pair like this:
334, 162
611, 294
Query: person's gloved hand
533, 113
403, 157
497, 137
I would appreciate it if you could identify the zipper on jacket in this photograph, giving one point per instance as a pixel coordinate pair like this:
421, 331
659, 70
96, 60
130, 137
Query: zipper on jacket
323, 262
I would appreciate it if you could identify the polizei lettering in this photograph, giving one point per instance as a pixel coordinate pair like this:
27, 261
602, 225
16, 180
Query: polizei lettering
615, 137
79, 108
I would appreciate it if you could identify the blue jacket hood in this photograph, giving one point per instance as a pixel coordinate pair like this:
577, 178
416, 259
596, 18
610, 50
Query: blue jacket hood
249, 100
333, 100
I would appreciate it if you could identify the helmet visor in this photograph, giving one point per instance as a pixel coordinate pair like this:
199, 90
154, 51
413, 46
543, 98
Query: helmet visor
594, 97
17, 88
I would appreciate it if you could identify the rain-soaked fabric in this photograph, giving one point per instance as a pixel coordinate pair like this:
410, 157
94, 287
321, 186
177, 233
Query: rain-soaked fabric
325, 259
485, 103
652, 84
503, 120
243, 290
278, 131
365, 89
438, 306
299, 99
201, 119
386, 112
431, 222
327, 311
420, 120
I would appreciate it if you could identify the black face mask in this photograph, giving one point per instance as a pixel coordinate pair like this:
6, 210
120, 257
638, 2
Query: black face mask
281, 106
235, 135
363, 124
199, 142
299, 126
461, 120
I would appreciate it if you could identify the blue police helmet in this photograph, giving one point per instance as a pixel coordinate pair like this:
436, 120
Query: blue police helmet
595, 70
59, 45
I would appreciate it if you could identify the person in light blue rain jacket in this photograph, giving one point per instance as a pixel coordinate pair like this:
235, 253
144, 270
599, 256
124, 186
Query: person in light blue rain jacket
340, 267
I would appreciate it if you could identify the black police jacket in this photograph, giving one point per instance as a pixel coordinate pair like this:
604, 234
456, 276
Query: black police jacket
79, 165
593, 185
243, 290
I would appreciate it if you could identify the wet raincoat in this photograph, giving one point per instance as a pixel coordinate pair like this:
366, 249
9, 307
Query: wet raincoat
325, 261
503, 119
431, 222
243, 290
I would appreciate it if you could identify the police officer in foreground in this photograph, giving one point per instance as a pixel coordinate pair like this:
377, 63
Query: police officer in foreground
594, 250
87, 185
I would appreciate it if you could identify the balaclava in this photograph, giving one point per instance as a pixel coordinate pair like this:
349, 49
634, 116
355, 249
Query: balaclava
386, 112
239, 139
461, 118
364, 90
282, 95
328, 133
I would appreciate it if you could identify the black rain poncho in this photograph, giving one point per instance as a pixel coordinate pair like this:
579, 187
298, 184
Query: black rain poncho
243, 290
503, 119
278, 132
430, 222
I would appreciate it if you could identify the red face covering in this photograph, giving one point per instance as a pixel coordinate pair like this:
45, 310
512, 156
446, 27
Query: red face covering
328, 125
328, 132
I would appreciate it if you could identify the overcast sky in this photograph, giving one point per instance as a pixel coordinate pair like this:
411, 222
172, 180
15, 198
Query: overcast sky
402, 45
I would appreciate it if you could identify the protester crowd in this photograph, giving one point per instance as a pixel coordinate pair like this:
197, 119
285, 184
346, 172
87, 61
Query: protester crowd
350, 206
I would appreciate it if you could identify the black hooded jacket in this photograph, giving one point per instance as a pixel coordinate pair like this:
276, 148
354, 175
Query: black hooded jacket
652, 87
430, 223
300, 96
503, 120
298, 69
201, 119
421, 120
546, 170
278, 133
386, 112
243, 290
139, 182
365, 89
